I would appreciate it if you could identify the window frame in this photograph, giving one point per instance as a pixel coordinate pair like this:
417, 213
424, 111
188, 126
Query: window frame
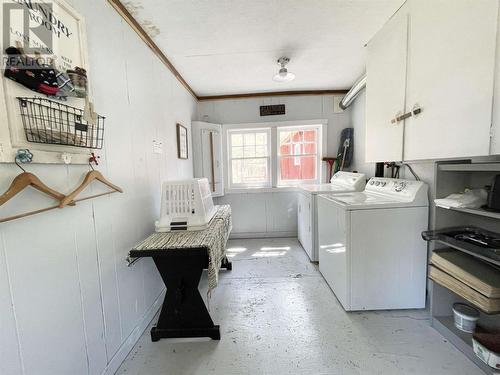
318, 155
268, 182
272, 126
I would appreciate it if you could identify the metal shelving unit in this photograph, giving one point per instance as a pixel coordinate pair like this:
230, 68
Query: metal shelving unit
452, 177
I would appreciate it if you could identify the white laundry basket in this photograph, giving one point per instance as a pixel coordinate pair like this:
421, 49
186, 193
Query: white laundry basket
185, 205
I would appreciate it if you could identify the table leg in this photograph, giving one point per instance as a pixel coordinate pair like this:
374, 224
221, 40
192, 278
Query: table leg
226, 264
183, 313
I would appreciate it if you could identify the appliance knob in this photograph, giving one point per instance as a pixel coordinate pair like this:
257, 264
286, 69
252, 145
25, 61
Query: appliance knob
377, 183
384, 183
372, 182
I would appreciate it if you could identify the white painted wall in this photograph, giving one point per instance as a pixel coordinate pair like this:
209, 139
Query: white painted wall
272, 213
358, 110
69, 304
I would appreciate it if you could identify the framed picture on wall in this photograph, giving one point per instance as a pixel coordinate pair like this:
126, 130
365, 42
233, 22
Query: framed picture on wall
182, 142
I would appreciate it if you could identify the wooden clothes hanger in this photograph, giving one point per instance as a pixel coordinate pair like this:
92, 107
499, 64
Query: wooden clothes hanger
89, 178
24, 180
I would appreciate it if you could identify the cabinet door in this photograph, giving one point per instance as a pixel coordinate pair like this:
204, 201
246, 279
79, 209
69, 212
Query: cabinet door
385, 90
450, 74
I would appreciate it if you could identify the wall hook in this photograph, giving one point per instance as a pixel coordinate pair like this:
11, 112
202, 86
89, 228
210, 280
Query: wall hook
93, 159
23, 156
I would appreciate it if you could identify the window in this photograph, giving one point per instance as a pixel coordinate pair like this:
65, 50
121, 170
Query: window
298, 155
249, 158
274, 154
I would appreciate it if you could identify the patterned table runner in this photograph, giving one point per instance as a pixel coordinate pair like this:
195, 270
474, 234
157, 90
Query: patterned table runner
214, 239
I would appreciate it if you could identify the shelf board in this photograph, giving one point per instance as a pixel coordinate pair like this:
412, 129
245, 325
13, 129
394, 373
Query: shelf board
470, 167
462, 340
475, 211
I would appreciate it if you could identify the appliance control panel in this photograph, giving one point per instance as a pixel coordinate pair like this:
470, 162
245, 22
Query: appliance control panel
405, 189
349, 179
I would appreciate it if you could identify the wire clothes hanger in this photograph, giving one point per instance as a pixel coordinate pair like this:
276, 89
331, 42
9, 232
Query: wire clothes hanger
93, 175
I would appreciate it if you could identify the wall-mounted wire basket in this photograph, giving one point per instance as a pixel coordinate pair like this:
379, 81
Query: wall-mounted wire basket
50, 122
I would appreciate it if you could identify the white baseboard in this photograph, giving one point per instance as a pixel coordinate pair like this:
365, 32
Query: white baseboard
263, 235
115, 362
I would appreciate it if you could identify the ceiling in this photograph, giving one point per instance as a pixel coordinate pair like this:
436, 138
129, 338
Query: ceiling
225, 47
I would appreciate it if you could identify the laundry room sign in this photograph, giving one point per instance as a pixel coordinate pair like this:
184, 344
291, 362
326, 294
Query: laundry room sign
272, 110
36, 34
49, 29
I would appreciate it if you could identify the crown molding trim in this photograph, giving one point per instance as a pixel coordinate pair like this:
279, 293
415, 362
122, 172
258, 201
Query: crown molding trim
273, 93
127, 16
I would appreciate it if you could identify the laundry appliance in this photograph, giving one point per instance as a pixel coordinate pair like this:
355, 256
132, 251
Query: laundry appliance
371, 252
341, 182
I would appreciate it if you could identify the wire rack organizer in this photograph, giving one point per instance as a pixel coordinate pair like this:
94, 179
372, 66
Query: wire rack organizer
50, 122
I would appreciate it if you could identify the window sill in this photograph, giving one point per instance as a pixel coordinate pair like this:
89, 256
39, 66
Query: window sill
282, 189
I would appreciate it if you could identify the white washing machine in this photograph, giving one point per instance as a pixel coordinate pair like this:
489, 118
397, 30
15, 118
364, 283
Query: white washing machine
307, 227
371, 252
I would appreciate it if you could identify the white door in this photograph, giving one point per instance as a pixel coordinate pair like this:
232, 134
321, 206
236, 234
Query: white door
207, 151
332, 239
304, 223
385, 90
495, 130
450, 75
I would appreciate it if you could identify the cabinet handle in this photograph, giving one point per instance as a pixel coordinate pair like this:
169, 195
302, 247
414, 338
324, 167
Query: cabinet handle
413, 112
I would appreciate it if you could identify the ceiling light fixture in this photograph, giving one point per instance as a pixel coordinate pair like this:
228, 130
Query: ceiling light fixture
283, 75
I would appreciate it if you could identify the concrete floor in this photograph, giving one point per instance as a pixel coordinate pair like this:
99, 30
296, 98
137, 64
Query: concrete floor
278, 316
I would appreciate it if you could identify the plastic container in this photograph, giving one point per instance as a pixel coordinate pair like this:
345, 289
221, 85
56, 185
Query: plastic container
185, 205
465, 317
489, 357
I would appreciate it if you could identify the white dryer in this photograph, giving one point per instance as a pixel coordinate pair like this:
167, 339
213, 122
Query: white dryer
371, 252
307, 227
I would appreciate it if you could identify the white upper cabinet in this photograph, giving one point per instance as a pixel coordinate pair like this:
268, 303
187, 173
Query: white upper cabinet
207, 154
385, 90
450, 77
495, 130
443, 64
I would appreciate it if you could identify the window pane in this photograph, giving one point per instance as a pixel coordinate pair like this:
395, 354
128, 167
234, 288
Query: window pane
237, 152
285, 149
249, 151
249, 171
310, 136
298, 168
297, 149
261, 139
237, 139
284, 137
261, 151
249, 139
309, 148
294, 143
